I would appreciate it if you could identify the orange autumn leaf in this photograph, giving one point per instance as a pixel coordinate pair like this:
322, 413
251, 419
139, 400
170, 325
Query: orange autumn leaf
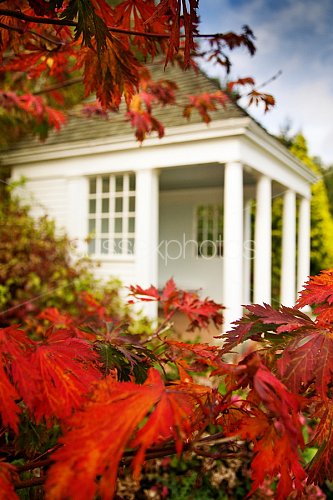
64, 371
275, 455
321, 466
7, 474
15, 348
9, 410
112, 422
112, 73
318, 292
308, 359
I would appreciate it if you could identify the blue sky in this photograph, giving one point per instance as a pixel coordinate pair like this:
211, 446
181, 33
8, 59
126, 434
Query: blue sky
296, 37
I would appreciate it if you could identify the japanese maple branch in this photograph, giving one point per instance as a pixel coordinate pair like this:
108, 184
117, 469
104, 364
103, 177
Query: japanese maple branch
34, 465
156, 452
270, 80
163, 325
26, 483
65, 22
60, 85
34, 33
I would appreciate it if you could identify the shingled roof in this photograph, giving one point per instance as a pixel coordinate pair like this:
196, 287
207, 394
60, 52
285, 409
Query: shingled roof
81, 128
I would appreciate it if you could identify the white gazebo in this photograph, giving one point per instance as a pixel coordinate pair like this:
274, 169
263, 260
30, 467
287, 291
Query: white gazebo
177, 206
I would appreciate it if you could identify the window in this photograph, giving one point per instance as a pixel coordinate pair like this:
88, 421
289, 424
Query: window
111, 218
209, 230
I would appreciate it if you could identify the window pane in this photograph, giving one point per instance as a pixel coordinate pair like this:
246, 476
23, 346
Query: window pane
130, 246
220, 220
119, 205
131, 203
105, 205
92, 246
200, 225
104, 246
92, 186
105, 184
132, 182
118, 246
210, 249
92, 225
209, 230
118, 225
105, 225
119, 183
131, 225
92, 206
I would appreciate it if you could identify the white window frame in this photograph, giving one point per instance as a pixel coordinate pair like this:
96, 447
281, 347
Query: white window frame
112, 243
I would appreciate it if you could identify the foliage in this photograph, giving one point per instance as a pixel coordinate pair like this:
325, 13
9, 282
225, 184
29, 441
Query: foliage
321, 255
81, 396
89, 416
191, 476
327, 174
37, 270
321, 219
102, 48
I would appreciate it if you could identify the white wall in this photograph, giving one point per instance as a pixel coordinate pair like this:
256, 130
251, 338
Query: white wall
177, 255
65, 201
46, 196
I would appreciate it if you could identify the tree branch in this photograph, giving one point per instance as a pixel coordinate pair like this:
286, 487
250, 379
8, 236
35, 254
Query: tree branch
36, 19
270, 80
112, 29
39, 35
34, 465
35, 481
59, 85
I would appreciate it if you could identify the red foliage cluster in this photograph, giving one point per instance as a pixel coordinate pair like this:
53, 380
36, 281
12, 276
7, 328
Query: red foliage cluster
65, 42
199, 312
72, 378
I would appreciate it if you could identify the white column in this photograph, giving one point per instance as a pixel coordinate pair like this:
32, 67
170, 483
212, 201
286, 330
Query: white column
288, 264
263, 241
77, 210
304, 234
233, 243
146, 234
247, 253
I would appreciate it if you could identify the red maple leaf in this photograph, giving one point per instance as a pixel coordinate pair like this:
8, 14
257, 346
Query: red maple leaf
138, 16
9, 410
258, 98
320, 468
15, 348
145, 294
64, 371
271, 421
33, 106
263, 319
275, 456
200, 312
110, 73
7, 475
97, 440
307, 359
56, 317
205, 103
240, 81
180, 14
318, 291
204, 351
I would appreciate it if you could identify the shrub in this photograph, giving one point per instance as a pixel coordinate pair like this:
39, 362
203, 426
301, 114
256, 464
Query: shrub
37, 269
